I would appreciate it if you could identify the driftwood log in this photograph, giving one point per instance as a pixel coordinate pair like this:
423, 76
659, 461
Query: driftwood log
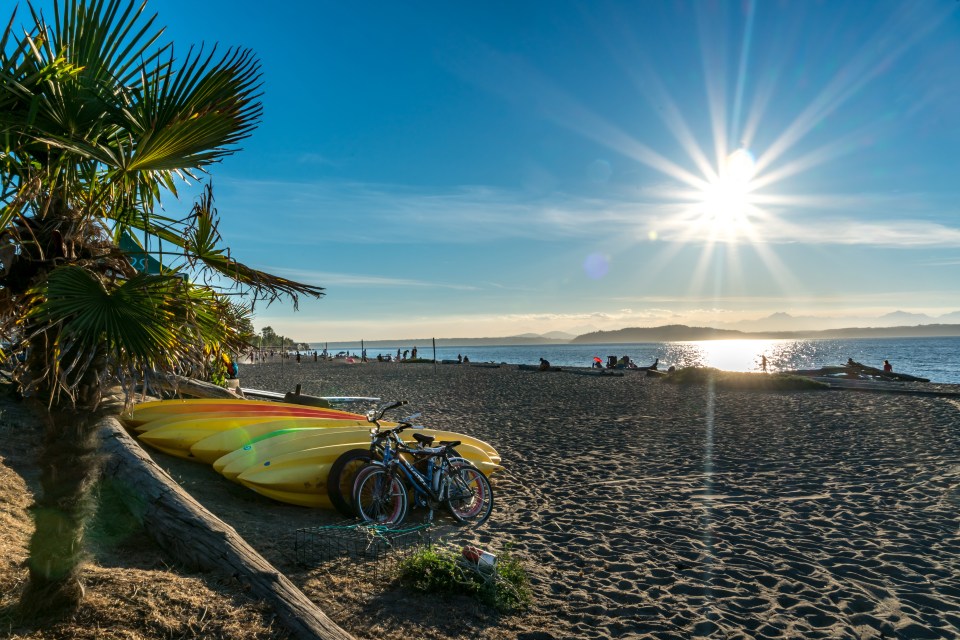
187, 387
198, 539
855, 369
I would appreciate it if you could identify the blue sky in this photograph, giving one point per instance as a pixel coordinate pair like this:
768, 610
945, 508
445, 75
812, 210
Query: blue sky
495, 168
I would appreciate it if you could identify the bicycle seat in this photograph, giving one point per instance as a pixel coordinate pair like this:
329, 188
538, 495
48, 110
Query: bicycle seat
422, 439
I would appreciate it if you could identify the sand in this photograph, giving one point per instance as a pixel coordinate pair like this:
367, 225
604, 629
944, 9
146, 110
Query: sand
644, 510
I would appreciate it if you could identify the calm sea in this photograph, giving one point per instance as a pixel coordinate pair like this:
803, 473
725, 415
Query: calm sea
935, 358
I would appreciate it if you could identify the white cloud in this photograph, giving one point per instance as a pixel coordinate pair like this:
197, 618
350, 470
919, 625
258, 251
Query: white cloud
376, 213
329, 278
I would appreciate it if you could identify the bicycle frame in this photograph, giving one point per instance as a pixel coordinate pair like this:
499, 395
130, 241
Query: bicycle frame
430, 489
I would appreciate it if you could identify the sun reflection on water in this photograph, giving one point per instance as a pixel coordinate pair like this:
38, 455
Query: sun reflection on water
738, 355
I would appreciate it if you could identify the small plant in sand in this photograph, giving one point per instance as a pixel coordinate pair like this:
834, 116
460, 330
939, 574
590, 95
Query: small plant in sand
444, 569
742, 380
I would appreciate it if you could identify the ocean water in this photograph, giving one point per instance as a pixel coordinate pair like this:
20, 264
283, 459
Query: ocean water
935, 358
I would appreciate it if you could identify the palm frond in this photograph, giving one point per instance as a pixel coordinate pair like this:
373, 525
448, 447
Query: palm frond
201, 246
128, 320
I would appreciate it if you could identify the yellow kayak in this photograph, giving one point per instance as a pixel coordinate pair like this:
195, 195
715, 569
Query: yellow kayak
301, 477
307, 470
217, 445
236, 462
150, 411
221, 421
180, 437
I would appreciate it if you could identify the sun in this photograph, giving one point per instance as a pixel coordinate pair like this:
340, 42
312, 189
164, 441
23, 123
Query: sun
724, 201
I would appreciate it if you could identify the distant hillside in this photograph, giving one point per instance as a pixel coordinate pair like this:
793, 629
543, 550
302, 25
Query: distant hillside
667, 333
683, 333
917, 331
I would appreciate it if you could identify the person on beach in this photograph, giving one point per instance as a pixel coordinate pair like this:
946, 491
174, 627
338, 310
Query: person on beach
887, 367
597, 362
763, 363
459, 359
466, 359
298, 357
413, 354
405, 352
544, 365
398, 355
233, 369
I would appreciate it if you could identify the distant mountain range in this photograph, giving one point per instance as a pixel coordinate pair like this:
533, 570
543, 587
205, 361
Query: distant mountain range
787, 322
683, 333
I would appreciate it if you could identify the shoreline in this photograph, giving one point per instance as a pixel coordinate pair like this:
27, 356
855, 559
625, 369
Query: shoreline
934, 359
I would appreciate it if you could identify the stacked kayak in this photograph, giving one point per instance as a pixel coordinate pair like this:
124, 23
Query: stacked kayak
280, 450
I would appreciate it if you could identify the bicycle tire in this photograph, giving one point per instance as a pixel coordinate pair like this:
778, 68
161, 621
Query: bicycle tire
340, 481
471, 501
379, 497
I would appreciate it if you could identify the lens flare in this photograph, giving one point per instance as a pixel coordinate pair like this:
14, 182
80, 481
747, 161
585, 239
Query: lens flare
596, 265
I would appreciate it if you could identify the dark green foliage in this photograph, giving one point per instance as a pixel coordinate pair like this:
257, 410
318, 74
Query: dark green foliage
268, 338
438, 569
743, 381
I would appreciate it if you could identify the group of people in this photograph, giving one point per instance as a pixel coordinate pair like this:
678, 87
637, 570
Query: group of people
412, 353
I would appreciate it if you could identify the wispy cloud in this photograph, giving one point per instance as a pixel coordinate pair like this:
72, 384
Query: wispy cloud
315, 159
374, 213
329, 278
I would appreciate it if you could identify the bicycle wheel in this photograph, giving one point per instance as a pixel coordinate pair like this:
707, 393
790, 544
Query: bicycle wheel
340, 481
469, 495
379, 497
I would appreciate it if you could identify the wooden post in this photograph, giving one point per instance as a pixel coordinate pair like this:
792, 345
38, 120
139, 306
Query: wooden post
434, 354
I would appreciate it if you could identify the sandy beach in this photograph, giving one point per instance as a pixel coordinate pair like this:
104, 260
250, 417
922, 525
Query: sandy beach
645, 510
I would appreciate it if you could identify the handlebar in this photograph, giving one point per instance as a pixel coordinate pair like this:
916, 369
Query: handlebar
374, 415
377, 434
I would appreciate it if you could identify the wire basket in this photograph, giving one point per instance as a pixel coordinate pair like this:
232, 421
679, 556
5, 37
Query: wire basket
365, 544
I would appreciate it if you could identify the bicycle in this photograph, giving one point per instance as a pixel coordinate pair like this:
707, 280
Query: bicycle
434, 476
344, 469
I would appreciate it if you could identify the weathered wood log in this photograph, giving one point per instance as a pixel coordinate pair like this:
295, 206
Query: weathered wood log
187, 386
199, 540
854, 369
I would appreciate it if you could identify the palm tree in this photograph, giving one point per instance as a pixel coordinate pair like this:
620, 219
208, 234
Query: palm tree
98, 118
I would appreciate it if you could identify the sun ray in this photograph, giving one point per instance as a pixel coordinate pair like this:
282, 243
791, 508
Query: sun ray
850, 79
742, 72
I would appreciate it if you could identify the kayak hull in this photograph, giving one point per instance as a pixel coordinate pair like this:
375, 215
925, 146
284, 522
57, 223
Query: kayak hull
150, 411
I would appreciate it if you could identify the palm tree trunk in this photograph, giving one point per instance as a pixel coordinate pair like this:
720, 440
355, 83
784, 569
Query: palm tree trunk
69, 467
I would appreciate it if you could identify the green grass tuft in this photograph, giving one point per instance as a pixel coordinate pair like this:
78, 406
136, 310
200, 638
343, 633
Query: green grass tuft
442, 569
743, 381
